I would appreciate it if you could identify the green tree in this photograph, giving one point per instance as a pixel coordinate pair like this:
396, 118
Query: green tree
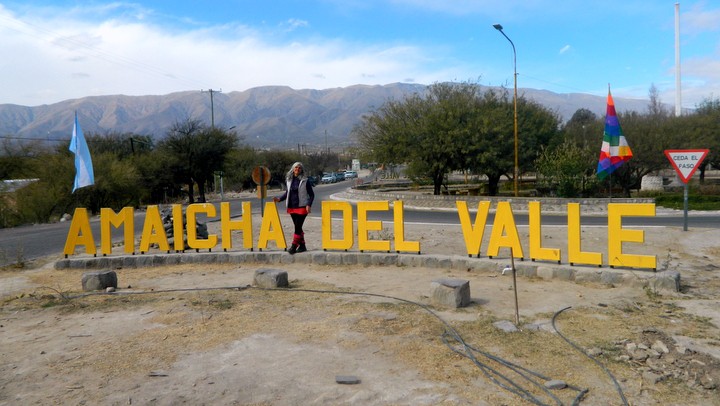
567, 171
239, 164
648, 136
122, 145
197, 151
584, 129
701, 130
116, 185
50, 196
492, 150
278, 163
430, 132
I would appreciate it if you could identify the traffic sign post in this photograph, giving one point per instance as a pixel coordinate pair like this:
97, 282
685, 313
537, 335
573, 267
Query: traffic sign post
686, 162
261, 177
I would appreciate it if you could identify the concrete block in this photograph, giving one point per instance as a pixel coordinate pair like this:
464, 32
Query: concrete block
237, 257
129, 261
545, 272
460, 264
271, 278
78, 264
223, 258
260, 257
350, 258
451, 292
173, 259
409, 260
99, 280
527, 270
611, 278
383, 259
144, 261
587, 276
429, 262
319, 258
555, 272
275, 257
444, 263
287, 259
364, 259
334, 258
116, 263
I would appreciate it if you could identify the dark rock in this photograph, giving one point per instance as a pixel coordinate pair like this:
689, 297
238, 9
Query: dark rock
100, 280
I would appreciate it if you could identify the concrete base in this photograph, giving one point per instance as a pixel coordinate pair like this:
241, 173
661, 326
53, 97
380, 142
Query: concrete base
100, 280
271, 278
451, 292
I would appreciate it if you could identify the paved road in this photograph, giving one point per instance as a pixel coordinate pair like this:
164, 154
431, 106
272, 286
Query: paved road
25, 243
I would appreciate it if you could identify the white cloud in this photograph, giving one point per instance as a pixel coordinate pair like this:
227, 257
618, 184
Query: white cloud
76, 58
564, 49
293, 24
697, 19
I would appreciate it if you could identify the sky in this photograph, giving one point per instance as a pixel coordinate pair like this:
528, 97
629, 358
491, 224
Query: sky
60, 50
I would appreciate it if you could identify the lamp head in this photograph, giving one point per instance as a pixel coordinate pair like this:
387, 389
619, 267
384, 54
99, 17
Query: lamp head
498, 27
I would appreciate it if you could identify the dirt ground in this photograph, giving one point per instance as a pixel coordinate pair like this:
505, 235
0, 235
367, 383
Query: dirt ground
200, 334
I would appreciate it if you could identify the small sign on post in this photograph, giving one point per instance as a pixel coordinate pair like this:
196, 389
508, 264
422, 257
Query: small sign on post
686, 162
261, 177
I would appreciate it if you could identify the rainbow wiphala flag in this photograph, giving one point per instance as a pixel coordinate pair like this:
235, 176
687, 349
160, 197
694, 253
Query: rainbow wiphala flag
615, 150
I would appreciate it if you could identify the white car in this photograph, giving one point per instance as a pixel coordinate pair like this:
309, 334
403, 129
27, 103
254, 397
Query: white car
350, 174
328, 178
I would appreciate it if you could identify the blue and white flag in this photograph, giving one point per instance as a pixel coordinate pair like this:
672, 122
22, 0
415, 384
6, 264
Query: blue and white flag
84, 175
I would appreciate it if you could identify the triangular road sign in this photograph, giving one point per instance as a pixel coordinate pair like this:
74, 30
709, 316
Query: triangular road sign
686, 161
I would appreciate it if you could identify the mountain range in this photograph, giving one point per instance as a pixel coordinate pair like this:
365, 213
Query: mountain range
266, 117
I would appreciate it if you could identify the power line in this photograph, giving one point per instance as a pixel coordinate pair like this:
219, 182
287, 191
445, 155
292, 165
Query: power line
7, 137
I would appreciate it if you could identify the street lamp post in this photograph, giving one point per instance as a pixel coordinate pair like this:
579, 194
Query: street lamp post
516, 175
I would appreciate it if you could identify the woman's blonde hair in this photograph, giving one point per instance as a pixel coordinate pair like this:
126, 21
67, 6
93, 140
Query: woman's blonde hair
291, 172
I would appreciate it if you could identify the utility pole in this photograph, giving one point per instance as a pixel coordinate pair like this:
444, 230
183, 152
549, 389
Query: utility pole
212, 106
678, 84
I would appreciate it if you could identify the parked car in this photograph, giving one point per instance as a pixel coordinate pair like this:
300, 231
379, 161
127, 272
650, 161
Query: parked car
328, 178
339, 176
350, 174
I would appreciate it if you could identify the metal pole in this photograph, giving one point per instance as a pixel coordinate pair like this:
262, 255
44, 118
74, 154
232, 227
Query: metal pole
678, 85
517, 311
685, 207
516, 171
515, 123
262, 195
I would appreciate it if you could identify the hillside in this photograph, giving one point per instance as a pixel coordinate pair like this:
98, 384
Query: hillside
269, 116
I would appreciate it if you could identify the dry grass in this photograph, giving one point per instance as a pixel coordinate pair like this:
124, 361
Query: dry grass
187, 322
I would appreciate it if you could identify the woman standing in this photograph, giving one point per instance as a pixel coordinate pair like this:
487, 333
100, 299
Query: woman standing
298, 198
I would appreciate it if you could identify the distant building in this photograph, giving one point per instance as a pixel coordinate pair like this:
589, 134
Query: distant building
12, 185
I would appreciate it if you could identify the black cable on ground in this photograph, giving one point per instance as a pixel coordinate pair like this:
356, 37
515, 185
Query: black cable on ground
467, 350
577, 347
145, 292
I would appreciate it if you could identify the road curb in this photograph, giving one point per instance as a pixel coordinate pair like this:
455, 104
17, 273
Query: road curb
657, 281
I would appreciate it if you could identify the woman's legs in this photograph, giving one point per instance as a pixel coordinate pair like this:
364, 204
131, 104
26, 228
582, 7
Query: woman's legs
298, 244
298, 220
